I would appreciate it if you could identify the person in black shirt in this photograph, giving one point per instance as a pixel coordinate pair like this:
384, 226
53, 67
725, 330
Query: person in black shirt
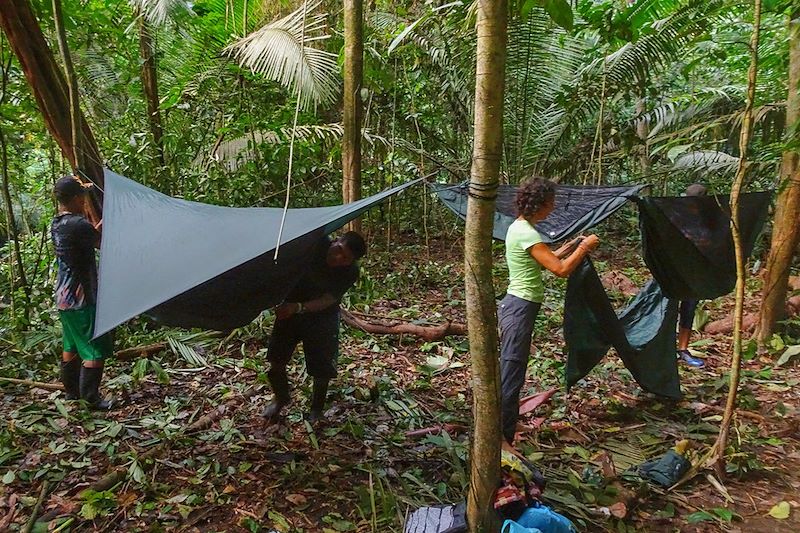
75, 239
310, 314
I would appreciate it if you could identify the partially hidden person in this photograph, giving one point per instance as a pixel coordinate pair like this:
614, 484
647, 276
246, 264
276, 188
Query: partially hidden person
687, 308
310, 314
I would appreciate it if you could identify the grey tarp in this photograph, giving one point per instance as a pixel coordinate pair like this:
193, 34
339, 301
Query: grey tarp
577, 208
197, 265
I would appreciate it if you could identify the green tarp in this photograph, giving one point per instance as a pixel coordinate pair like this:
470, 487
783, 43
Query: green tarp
688, 247
643, 334
687, 243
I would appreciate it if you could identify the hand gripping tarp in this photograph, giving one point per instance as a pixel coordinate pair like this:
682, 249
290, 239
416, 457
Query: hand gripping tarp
197, 265
577, 208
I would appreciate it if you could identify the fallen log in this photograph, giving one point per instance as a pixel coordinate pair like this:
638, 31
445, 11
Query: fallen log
428, 333
725, 325
750, 320
140, 351
34, 384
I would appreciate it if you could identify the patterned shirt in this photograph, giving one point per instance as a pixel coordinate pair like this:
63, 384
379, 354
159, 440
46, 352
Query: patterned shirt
74, 240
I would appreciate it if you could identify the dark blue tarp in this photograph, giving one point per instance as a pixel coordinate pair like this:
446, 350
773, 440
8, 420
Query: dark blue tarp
577, 208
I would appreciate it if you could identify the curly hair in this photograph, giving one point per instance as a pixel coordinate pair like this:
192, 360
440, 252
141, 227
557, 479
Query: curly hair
533, 195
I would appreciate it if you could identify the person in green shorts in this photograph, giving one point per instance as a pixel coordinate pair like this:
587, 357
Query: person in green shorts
526, 255
75, 240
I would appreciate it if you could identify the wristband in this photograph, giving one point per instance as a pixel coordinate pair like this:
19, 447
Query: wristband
300, 308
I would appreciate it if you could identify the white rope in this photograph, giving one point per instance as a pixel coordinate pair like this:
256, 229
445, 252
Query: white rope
294, 128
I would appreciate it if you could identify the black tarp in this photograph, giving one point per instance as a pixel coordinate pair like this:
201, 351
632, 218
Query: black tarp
643, 334
688, 247
687, 242
197, 265
577, 207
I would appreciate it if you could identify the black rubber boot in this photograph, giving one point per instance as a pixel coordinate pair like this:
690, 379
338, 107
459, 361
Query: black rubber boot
280, 387
318, 396
90, 388
71, 378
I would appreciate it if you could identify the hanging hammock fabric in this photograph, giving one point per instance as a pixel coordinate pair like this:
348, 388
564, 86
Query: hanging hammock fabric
643, 334
687, 242
577, 208
688, 247
190, 264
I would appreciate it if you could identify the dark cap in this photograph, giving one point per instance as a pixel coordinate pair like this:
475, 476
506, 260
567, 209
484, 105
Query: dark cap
67, 188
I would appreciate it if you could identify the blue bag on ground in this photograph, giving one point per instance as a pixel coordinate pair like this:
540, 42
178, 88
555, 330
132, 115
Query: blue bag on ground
539, 519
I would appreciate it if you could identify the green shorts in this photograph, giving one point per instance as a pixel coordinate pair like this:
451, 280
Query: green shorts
78, 325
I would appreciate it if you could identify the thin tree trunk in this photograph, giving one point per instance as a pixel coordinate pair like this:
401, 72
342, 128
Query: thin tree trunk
785, 228
48, 86
643, 129
353, 77
481, 311
736, 190
150, 88
72, 83
11, 226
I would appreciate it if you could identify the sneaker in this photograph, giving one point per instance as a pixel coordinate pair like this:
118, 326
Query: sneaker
687, 358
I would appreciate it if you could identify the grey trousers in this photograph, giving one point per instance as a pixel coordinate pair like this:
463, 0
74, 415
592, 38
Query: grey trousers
516, 318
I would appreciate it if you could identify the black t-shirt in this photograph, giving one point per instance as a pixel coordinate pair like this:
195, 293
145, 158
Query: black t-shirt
323, 279
74, 240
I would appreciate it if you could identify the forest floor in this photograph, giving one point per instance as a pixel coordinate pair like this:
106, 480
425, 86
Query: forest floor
359, 471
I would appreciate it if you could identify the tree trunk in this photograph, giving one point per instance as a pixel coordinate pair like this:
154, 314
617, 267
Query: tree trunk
72, 83
785, 228
150, 88
643, 129
481, 306
5, 65
353, 77
736, 190
49, 87
11, 225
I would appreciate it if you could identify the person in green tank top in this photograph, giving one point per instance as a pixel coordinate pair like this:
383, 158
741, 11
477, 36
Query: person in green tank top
526, 256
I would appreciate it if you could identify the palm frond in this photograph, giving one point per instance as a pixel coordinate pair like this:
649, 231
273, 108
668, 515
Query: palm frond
687, 108
705, 161
281, 51
611, 76
160, 11
231, 153
542, 59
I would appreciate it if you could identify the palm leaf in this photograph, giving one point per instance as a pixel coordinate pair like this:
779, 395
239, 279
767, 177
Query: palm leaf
160, 11
231, 153
706, 161
610, 77
281, 51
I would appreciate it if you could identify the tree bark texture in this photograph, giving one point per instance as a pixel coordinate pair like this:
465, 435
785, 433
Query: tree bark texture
353, 79
481, 307
48, 86
786, 225
150, 88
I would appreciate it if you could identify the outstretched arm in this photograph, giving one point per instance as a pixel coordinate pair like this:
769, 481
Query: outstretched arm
542, 254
